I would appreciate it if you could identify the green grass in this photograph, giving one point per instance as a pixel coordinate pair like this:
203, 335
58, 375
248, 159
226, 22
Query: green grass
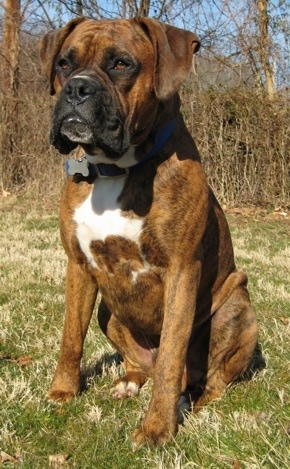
248, 428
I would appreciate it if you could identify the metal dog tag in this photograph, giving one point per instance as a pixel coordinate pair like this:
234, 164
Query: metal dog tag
80, 166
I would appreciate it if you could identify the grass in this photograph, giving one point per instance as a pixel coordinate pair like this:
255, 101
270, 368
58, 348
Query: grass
248, 428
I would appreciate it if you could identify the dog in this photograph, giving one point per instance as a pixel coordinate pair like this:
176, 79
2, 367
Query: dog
139, 222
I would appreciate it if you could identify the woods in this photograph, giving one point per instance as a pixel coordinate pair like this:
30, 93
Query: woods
236, 101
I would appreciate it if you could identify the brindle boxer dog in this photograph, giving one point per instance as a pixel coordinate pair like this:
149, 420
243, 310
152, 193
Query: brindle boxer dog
139, 222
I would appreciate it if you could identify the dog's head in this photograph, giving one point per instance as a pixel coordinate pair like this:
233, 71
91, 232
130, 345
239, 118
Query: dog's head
110, 77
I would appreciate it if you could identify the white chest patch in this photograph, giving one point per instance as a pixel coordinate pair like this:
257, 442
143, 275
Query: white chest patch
100, 216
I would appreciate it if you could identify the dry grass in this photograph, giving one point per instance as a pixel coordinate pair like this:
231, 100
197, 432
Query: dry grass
249, 428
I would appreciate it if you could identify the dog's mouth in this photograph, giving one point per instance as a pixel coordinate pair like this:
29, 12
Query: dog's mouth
76, 130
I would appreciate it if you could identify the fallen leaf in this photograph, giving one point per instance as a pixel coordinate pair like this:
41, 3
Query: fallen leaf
285, 321
25, 360
5, 356
58, 460
236, 465
4, 457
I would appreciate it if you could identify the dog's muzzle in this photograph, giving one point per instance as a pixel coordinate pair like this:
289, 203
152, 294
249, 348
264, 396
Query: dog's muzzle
79, 89
88, 114
74, 127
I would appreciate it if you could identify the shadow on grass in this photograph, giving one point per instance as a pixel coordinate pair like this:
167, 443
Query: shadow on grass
257, 364
108, 361
100, 368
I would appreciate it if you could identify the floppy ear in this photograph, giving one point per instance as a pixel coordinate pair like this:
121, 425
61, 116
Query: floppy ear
50, 46
174, 49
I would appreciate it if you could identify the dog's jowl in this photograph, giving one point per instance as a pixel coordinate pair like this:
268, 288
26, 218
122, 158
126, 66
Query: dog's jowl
139, 222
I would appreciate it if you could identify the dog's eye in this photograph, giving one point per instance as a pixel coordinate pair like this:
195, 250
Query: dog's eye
120, 65
63, 65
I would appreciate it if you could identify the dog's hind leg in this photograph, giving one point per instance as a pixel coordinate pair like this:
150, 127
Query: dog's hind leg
136, 349
229, 339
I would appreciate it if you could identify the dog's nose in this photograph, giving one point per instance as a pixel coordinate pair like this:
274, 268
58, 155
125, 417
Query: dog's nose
78, 90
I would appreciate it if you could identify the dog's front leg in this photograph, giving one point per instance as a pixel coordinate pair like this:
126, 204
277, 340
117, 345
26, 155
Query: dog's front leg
81, 292
160, 421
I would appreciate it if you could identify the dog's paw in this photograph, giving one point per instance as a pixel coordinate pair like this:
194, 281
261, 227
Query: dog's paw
124, 389
64, 387
155, 436
60, 396
157, 428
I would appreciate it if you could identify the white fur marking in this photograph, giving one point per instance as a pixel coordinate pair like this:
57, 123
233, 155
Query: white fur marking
125, 389
135, 273
100, 216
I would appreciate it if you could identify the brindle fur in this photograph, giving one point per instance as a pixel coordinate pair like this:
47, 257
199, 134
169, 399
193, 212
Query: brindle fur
186, 321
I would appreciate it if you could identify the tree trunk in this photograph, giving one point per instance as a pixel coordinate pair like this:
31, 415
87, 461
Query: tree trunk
79, 7
144, 7
10, 68
263, 24
10, 91
133, 8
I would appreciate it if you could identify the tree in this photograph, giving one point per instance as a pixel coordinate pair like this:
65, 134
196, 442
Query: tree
10, 54
10, 77
264, 45
249, 38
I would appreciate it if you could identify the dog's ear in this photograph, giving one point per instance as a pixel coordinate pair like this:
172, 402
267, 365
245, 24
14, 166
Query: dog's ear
50, 46
174, 49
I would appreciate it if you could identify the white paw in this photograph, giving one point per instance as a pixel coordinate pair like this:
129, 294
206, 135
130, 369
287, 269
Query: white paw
125, 389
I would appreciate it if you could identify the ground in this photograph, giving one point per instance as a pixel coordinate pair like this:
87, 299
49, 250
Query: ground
248, 428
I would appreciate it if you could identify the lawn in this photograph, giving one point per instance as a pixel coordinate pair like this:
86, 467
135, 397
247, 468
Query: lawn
248, 428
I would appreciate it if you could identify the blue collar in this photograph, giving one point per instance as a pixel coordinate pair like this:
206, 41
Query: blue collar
82, 167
